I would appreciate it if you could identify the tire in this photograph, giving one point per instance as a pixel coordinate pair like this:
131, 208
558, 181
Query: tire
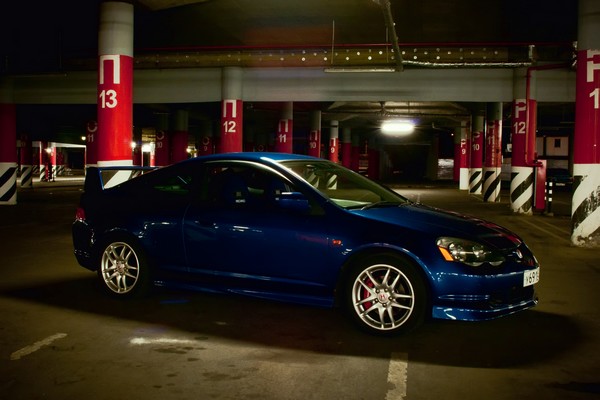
386, 295
124, 271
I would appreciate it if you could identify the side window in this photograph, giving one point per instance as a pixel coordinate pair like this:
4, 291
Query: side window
172, 182
242, 186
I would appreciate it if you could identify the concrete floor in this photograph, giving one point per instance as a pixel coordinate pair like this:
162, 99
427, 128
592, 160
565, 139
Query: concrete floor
61, 338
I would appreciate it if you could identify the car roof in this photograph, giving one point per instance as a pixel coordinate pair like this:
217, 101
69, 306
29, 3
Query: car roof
253, 156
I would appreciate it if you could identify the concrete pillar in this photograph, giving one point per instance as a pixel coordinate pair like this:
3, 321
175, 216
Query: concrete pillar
585, 209
26, 162
231, 139
314, 136
206, 143
476, 161
334, 141
284, 141
462, 158
162, 146
493, 154
179, 136
355, 152
91, 144
8, 152
115, 84
522, 131
346, 147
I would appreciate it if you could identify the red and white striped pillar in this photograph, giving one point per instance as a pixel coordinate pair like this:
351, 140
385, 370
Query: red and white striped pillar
314, 135
461, 154
284, 136
493, 154
179, 138
231, 140
585, 209
26, 162
476, 161
91, 144
115, 84
334, 135
8, 153
346, 147
522, 132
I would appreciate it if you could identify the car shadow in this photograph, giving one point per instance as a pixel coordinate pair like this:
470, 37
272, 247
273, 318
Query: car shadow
528, 337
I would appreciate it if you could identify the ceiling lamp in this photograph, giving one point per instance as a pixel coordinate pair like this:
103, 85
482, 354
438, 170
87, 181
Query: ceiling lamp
397, 127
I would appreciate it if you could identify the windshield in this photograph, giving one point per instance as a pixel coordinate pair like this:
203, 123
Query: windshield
344, 187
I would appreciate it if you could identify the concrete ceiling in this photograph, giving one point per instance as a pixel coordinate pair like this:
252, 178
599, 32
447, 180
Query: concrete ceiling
62, 35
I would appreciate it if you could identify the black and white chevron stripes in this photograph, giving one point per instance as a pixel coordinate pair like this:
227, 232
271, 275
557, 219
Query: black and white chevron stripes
475, 180
585, 209
521, 190
8, 183
491, 185
26, 176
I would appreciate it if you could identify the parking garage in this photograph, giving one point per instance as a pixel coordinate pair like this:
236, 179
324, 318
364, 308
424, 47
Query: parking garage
63, 339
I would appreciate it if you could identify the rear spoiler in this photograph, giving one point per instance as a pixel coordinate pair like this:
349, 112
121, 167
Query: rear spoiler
98, 179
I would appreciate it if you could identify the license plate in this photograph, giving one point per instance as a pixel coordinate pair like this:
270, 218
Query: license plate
531, 277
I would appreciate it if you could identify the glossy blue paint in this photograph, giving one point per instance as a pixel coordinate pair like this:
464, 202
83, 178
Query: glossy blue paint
289, 234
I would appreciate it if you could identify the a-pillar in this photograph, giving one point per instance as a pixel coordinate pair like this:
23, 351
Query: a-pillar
284, 137
115, 84
205, 140
91, 144
26, 162
334, 141
346, 147
476, 161
493, 154
231, 111
523, 147
314, 136
8, 152
162, 144
585, 211
461, 155
179, 139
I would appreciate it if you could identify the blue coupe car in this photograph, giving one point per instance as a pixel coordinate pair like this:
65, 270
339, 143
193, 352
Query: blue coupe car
298, 229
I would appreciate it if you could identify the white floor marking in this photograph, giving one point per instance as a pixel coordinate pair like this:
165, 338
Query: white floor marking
397, 376
25, 351
141, 340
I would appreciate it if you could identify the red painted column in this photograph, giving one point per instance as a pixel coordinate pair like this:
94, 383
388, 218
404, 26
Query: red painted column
355, 152
91, 144
476, 160
8, 153
314, 136
231, 111
346, 147
115, 84
284, 136
334, 142
493, 154
462, 154
585, 208
179, 140
205, 143
162, 144
26, 162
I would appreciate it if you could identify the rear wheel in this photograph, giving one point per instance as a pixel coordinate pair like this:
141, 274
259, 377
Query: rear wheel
123, 269
386, 295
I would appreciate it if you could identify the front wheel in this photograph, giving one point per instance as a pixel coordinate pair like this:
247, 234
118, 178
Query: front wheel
123, 270
386, 295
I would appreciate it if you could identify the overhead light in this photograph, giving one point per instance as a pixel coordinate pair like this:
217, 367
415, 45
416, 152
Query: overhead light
397, 127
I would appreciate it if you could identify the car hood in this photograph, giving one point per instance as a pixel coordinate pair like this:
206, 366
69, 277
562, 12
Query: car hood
440, 222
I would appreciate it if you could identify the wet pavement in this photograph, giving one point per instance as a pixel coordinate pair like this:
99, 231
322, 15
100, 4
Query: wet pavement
61, 338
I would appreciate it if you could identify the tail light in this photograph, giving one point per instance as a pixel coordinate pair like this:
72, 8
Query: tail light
80, 214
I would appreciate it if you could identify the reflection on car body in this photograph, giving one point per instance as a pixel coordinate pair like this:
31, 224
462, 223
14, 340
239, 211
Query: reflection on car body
299, 229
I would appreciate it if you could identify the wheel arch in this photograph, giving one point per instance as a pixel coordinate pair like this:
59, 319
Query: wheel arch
363, 254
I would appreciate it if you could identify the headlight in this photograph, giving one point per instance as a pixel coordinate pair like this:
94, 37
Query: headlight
467, 252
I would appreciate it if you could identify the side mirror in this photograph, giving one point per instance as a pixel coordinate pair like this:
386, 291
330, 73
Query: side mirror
295, 201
